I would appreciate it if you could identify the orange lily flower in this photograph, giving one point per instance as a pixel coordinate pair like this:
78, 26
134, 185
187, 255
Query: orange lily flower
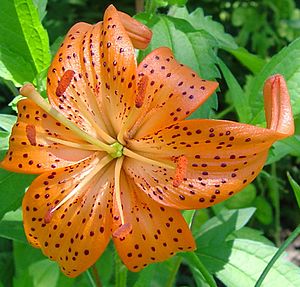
116, 157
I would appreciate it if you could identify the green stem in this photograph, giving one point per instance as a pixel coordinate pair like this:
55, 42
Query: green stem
274, 190
120, 272
150, 6
194, 261
96, 276
279, 252
173, 272
224, 113
90, 277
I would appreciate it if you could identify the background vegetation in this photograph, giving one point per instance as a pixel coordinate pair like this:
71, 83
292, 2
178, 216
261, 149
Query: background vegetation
239, 43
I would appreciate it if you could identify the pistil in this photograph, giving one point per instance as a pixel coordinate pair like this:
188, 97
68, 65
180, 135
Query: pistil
125, 228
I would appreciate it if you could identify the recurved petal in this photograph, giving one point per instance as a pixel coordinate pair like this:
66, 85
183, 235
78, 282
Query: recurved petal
118, 69
173, 92
76, 233
158, 232
31, 147
74, 78
222, 158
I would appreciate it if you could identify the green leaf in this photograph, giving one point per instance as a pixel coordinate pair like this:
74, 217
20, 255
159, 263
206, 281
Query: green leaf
7, 122
12, 230
250, 234
219, 227
12, 190
264, 211
296, 188
239, 263
281, 148
41, 7
242, 199
45, 273
287, 63
158, 274
205, 23
236, 94
6, 267
250, 61
24, 45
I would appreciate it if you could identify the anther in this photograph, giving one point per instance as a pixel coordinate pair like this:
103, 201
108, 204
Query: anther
31, 134
180, 170
64, 82
141, 91
123, 230
48, 216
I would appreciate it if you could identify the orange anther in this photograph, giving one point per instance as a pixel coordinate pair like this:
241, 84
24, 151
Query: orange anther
141, 91
64, 82
180, 171
31, 134
48, 216
123, 230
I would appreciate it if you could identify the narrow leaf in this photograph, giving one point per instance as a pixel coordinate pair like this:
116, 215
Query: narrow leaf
296, 188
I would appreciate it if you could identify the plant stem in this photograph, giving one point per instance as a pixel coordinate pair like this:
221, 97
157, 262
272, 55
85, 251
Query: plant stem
224, 112
173, 272
150, 7
285, 244
274, 191
90, 277
96, 276
120, 272
194, 261
139, 5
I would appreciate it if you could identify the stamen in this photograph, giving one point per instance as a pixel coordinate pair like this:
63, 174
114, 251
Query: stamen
31, 134
117, 187
98, 126
64, 82
89, 176
48, 216
141, 91
141, 158
125, 228
29, 91
81, 146
180, 171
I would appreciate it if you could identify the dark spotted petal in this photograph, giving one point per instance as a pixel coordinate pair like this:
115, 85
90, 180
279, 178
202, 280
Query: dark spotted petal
76, 233
174, 91
223, 157
31, 149
158, 232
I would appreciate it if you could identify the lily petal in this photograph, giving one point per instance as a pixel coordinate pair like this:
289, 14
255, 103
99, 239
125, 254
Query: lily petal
157, 231
76, 233
118, 69
31, 149
74, 78
222, 156
174, 91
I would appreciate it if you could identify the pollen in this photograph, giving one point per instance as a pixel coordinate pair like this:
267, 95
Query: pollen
141, 91
64, 82
123, 230
48, 216
180, 171
31, 134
